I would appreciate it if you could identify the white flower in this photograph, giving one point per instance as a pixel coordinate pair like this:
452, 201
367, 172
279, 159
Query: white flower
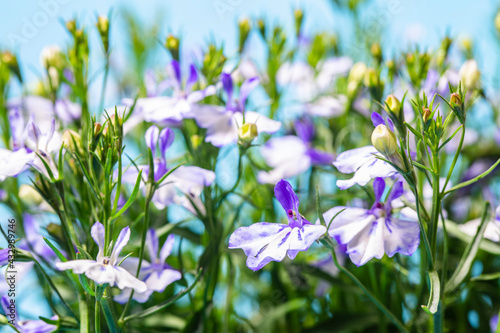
104, 269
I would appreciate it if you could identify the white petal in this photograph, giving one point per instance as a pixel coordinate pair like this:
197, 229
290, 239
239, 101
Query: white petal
126, 280
13, 163
264, 124
78, 266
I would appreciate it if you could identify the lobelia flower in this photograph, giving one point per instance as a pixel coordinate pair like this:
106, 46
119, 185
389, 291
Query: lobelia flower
222, 123
184, 182
371, 233
43, 109
164, 109
264, 242
492, 231
26, 326
157, 274
291, 155
104, 269
364, 162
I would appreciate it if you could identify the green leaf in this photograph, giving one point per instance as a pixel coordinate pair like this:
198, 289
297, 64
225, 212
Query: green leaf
485, 245
131, 198
486, 277
473, 180
56, 251
85, 284
414, 131
470, 252
435, 292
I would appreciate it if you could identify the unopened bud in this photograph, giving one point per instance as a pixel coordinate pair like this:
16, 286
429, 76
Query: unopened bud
52, 56
71, 26
497, 22
196, 141
469, 73
371, 78
172, 44
394, 104
97, 129
244, 27
261, 25
299, 18
70, 138
247, 133
102, 25
29, 195
455, 99
384, 140
357, 72
376, 51
426, 114
11, 61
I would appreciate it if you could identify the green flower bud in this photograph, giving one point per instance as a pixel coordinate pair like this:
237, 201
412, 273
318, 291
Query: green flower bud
69, 138
426, 114
196, 141
371, 78
172, 44
394, 104
376, 51
299, 18
261, 25
11, 61
357, 72
71, 26
247, 133
455, 100
244, 27
384, 140
103, 28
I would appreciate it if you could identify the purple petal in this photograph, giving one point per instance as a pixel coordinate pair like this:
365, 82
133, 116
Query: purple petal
319, 157
151, 137
304, 128
158, 281
166, 138
396, 192
152, 244
193, 77
167, 248
302, 238
377, 119
246, 89
177, 71
33, 132
378, 188
122, 240
6, 306
97, 233
390, 124
286, 196
227, 84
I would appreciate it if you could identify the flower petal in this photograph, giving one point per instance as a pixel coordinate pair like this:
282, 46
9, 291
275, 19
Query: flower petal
286, 196
122, 240
167, 247
97, 233
152, 244
263, 123
126, 280
78, 266
158, 281
253, 238
274, 251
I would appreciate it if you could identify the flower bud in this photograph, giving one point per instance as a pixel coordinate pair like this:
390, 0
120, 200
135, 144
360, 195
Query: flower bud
455, 99
97, 129
357, 72
11, 61
376, 51
103, 28
426, 114
497, 21
247, 133
261, 25
172, 44
394, 104
244, 28
196, 141
469, 73
52, 56
299, 19
29, 195
69, 138
384, 140
371, 78
71, 26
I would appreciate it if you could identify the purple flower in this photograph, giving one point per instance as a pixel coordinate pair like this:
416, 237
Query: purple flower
26, 326
264, 242
290, 156
33, 241
43, 109
371, 233
222, 123
162, 109
157, 274
185, 181
105, 269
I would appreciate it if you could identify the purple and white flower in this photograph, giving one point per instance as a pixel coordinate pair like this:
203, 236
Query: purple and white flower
222, 123
492, 231
292, 155
162, 109
363, 162
157, 274
371, 233
264, 242
25, 326
183, 182
105, 269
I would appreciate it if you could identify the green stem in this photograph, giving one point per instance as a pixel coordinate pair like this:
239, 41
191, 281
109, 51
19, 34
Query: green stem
84, 313
97, 317
455, 158
327, 242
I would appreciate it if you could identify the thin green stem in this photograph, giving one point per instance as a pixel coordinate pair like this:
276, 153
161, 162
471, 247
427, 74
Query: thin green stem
327, 242
455, 159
